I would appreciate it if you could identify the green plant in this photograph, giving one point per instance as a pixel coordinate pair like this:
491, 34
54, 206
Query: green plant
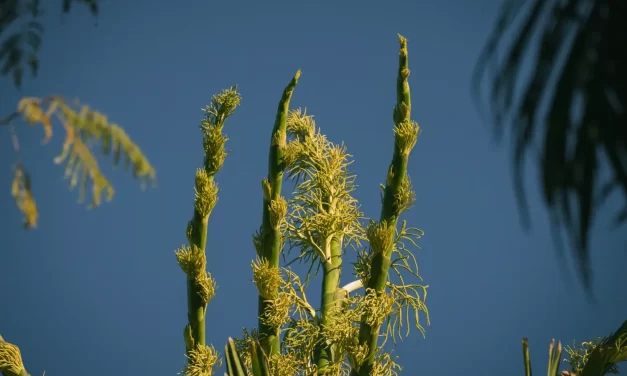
11, 360
235, 366
535, 98
202, 359
594, 358
83, 129
316, 226
21, 18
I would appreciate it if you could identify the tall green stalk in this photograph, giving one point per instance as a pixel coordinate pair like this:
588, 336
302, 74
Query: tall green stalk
324, 217
394, 200
193, 259
274, 207
330, 297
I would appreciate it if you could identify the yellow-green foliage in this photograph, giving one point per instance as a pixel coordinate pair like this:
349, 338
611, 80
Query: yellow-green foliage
579, 355
11, 360
193, 262
84, 128
323, 208
323, 205
23, 195
592, 358
203, 360
598, 354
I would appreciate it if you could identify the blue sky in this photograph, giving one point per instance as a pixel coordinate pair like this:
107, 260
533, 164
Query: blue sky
100, 292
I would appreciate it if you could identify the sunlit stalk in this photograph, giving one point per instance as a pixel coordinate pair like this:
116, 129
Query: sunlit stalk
271, 237
193, 259
391, 207
330, 297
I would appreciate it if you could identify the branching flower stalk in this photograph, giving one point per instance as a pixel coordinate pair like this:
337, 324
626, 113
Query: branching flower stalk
324, 216
320, 222
192, 259
268, 241
397, 197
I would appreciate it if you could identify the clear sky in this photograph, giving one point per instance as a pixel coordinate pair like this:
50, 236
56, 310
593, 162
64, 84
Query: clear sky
100, 293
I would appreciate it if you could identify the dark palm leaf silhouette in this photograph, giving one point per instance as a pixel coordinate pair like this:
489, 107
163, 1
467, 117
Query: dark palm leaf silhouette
580, 65
19, 49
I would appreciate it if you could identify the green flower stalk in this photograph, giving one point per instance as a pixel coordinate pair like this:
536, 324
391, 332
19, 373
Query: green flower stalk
324, 218
330, 297
397, 197
268, 241
193, 260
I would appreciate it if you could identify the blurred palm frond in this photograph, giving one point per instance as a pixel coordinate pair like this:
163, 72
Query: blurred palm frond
19, 49
578, 48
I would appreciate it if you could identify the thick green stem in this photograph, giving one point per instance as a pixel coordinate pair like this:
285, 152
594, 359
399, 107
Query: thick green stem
199, 229
370, 334
271, 237
195, 306
195, 313
390, 209
330, 298
200, 286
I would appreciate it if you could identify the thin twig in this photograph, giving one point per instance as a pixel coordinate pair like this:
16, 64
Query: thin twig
7, 120
15, 142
